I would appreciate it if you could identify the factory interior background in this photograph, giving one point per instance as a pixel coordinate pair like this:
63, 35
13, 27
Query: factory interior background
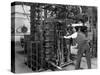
37, 34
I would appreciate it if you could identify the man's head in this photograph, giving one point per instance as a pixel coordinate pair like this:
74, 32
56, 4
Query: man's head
77, 28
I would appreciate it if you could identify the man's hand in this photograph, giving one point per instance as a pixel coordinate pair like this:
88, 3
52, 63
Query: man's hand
64, 36
67, 37
74, 35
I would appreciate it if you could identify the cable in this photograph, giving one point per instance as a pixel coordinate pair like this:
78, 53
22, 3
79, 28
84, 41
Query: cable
25, 12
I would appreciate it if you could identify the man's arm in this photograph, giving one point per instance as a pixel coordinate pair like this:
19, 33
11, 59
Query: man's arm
74, 35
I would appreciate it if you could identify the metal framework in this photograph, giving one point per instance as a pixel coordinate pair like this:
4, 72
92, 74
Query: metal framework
45, 46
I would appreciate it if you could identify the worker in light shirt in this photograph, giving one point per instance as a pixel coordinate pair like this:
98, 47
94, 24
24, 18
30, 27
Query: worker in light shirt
83, 46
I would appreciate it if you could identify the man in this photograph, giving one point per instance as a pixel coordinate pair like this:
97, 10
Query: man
83, 46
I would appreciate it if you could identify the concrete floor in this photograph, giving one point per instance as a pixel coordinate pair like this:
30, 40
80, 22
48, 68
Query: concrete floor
20, 67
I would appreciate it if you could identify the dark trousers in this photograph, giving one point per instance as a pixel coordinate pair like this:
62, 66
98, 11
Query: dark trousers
83, 48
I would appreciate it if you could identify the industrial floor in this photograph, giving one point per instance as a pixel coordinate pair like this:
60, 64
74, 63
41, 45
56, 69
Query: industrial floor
20, 67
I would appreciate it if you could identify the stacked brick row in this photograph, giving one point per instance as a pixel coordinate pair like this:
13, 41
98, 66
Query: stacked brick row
49, 41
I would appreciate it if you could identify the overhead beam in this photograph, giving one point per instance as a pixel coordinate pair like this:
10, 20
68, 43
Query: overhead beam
21, 3
26, 3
